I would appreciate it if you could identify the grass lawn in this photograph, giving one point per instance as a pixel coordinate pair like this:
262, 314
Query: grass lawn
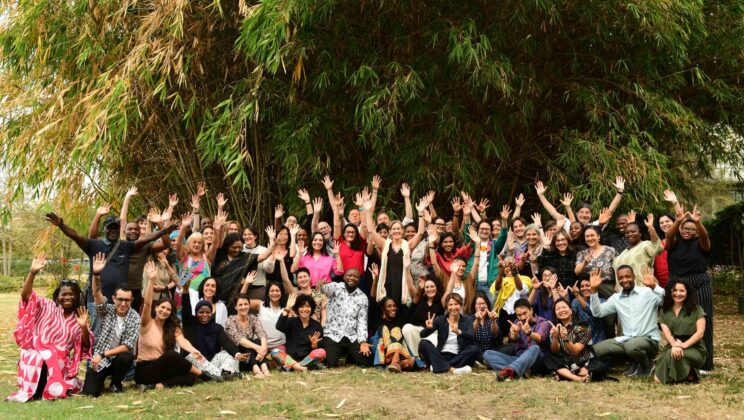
370, 393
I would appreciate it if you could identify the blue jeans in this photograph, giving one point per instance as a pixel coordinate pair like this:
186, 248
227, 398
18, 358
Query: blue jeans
485, 288
520, 363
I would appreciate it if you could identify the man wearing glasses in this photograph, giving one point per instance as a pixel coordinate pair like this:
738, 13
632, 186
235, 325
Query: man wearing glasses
113, 352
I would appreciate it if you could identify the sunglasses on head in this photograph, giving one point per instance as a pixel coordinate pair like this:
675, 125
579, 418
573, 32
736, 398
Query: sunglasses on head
68, 282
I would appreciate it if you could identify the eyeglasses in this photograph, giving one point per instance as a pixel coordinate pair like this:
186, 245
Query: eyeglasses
123, 300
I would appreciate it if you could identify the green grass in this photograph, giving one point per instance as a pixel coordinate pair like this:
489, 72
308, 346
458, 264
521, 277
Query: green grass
370, 393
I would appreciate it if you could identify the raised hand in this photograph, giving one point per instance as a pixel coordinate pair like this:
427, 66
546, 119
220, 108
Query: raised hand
250, 277
201, 189
366, 196
172, 200
278, 211
513, 329
358, 200
535, 283
376, 180
293, 231
131, 192
38, 263
648, 278
99, 263
670, 196
82, 316
374, 270
301, 248
54, 219
575, 289
151, 269
518, 201
473, 233
695, 214
155, 216
221, 200
455, 266
631, 216
327, 182
186, 221
317, 205
431, 230
649, 221
303, 195
427, 217
567, 199
340, 202
537, 219
270, 233
405, 190
554, 331
562, 291
619, 184
103, 210
421, 282
595, 280
604, 216
483, 205
291, 300
421, 206
505, 212
336, 247
456, 204
195, 202
314, 339
540, 188
166, 215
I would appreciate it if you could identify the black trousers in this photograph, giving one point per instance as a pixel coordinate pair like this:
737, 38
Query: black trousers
118, 368
346, 348
170, 369
442, 362
137, 300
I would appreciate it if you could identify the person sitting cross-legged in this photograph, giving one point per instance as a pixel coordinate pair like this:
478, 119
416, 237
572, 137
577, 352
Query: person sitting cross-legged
303, 335
117, 335
455, 351
636, 309
531, 336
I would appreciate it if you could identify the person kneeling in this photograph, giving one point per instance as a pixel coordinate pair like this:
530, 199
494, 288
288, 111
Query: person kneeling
531, 335
303, 334
391, 348
118, 334
683, 324
455, 351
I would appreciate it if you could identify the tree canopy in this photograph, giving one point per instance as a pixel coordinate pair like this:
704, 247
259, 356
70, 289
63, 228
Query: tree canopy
261, 98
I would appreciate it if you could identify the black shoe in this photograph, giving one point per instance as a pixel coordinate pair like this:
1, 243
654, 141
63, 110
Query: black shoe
641, 372
319, 366
145, 387
116, 388
630, 371
207, 377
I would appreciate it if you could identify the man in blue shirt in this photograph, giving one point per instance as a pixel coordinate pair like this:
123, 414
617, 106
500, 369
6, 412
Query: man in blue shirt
636, 309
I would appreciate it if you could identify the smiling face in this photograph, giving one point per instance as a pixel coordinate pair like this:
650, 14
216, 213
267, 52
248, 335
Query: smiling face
205, 222
132, 231
383, 218
584, 215
318, 242
440, 224
325, 229
430, 289
563, 311
410, 232
203, 315
384, 233
621, 223
496, 227
303, 280
163, 310
626, 279
586, 288
396, 230
561, 242
195, 244
305, 311
518, 229
679, 293
354, 217
688, 230
481, 304
575, 231
665, 223
448, 244
67, 298
282, 237
351, 278
208, 234
242, 306
461, 268
233, 227
591, 237
210, 288
291, 222
484, 231
453, 306
448, 226
235, 249
275, 294
532, 237
349, 234
112, 232
523, 314
632, 234
390, 309
249, 237
122, 302
302, 235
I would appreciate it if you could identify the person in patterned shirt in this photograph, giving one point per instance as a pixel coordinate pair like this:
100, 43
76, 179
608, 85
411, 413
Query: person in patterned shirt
346, 322
570, 345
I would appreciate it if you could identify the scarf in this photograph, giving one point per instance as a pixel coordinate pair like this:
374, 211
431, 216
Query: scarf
507, 290
381, 292
207, 335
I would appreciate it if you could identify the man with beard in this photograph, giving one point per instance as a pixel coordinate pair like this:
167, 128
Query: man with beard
346, 322
636, 309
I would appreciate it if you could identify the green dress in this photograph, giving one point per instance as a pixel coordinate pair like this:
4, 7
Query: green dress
669, 370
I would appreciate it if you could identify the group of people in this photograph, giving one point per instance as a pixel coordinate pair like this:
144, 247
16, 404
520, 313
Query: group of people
173, 301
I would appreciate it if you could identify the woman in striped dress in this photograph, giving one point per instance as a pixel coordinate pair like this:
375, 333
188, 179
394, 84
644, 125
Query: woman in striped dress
688, 247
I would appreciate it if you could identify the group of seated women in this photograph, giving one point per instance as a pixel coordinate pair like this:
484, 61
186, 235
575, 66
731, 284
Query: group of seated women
428, 294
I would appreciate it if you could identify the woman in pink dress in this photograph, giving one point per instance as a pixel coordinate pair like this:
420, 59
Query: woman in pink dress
53, 336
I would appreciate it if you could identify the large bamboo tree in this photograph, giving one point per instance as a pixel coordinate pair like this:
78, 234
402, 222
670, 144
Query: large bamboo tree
262, 98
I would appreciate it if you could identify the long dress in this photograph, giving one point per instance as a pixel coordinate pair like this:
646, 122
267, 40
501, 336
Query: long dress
682, 327
47, 337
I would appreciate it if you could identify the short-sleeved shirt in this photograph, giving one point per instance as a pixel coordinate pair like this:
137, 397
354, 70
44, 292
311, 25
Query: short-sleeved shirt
117, 267
578, 333
603, 262
137, 265
422, 310
351, 258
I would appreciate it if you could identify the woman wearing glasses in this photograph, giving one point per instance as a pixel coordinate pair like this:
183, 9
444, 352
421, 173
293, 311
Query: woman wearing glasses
53, 336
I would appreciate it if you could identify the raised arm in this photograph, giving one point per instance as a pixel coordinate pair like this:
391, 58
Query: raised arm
142, 241
286, 282
566, 201
671, 238
278, 216
303, 195
432, 244
405, 191
373, 236
620, 187
301, 248
152, 274
541, 189
456, 213
599, 309
671, 197
376, 180
131, 192
421, 208
99, 263
38, 264
701, 231
518, 202
218, 224
68, 231
102, 211
180, 247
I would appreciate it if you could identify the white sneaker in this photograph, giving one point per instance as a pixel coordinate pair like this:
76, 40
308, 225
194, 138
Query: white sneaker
704, 372
463, 370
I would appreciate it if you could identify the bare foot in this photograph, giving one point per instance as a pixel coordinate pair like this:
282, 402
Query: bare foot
299, 368
159, 386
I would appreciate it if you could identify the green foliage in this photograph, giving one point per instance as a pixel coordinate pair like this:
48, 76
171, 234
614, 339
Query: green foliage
727, 229
260, 98
728, 280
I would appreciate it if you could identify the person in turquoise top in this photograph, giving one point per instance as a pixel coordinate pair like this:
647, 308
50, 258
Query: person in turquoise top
489, 266
683, 325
